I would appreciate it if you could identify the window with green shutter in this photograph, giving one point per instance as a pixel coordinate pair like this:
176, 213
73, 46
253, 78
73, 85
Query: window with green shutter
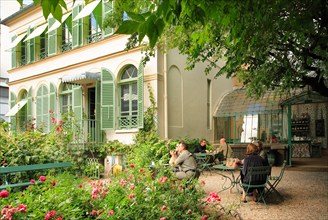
107, 9
53, 38
29, 105
107, 100
21, 116
66, 35
94, 25
42, 46
30, 47
42, 109
131, 82
13, 118
13, 54
21, 53
77, 28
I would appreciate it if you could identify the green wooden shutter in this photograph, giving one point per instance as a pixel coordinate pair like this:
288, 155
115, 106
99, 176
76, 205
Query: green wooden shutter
39, 107
107, 7
29, 106
77, 28
12, 104
45, 109
78, 111
13, 55
140, 96
107, 100
98, 116
30, 48
52, 104
52, 39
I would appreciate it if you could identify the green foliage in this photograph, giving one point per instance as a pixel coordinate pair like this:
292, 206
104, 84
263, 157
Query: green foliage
279, 45
135, 193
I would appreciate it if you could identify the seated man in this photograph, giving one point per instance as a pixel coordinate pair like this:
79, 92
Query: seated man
225, 149
185, 163
201, 148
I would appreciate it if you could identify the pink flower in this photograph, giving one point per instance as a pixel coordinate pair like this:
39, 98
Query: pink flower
189, 212
4, 194
132, 195
59, 218
32, 181
163, 179
111, 212
22, 208
43, 178
163, 218
51, 111
60, 122
204, 217
132, 165
213, 197
163, 208
123, 182
94, 212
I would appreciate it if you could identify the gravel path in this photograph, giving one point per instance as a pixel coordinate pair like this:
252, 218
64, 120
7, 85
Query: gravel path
305, 197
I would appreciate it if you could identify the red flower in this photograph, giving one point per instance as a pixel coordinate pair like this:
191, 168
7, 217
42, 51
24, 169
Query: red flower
132, 165
4, 194
189, 211
163, 218
141, 170
54, 183
50, 214
80, 186
111, 212
213, 197
132, 187
203, 182
163, 207
132, 195
59, 218
32, 181
43, 178
204, 217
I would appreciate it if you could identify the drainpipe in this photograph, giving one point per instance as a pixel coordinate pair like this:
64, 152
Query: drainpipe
166, 130
289, 118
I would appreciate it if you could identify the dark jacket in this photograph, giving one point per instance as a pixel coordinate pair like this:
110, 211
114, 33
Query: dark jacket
253, 160
200, 149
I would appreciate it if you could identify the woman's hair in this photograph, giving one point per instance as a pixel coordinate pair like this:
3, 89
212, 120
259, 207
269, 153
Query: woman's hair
251, 149
258, 144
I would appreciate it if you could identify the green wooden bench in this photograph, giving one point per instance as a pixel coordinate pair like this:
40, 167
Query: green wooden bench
5, 171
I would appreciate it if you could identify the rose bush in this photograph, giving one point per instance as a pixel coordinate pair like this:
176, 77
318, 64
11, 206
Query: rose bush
135, 193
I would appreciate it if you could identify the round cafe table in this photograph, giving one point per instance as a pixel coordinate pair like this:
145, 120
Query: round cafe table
228, 173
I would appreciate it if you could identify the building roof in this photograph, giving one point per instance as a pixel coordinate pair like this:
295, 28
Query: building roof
238, 102
16, 14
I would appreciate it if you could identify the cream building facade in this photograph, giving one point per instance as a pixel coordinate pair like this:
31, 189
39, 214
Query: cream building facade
77, 66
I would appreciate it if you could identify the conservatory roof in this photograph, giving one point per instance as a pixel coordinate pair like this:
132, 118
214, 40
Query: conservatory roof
238, 102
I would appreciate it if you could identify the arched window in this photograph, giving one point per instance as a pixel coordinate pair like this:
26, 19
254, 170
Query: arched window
128, 98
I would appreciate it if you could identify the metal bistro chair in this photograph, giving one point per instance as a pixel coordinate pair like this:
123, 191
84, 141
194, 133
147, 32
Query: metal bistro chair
273, 181
203, 163
257, 174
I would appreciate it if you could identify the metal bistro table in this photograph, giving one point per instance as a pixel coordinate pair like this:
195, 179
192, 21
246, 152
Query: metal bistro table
233, 180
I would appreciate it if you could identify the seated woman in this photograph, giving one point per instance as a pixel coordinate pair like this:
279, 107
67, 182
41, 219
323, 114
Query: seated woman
252, 160
184, 163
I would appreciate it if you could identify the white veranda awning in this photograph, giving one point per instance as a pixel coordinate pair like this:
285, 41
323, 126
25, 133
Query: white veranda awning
13, 111
17, 40
81, 78
57, 24
37, 32
87, 10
